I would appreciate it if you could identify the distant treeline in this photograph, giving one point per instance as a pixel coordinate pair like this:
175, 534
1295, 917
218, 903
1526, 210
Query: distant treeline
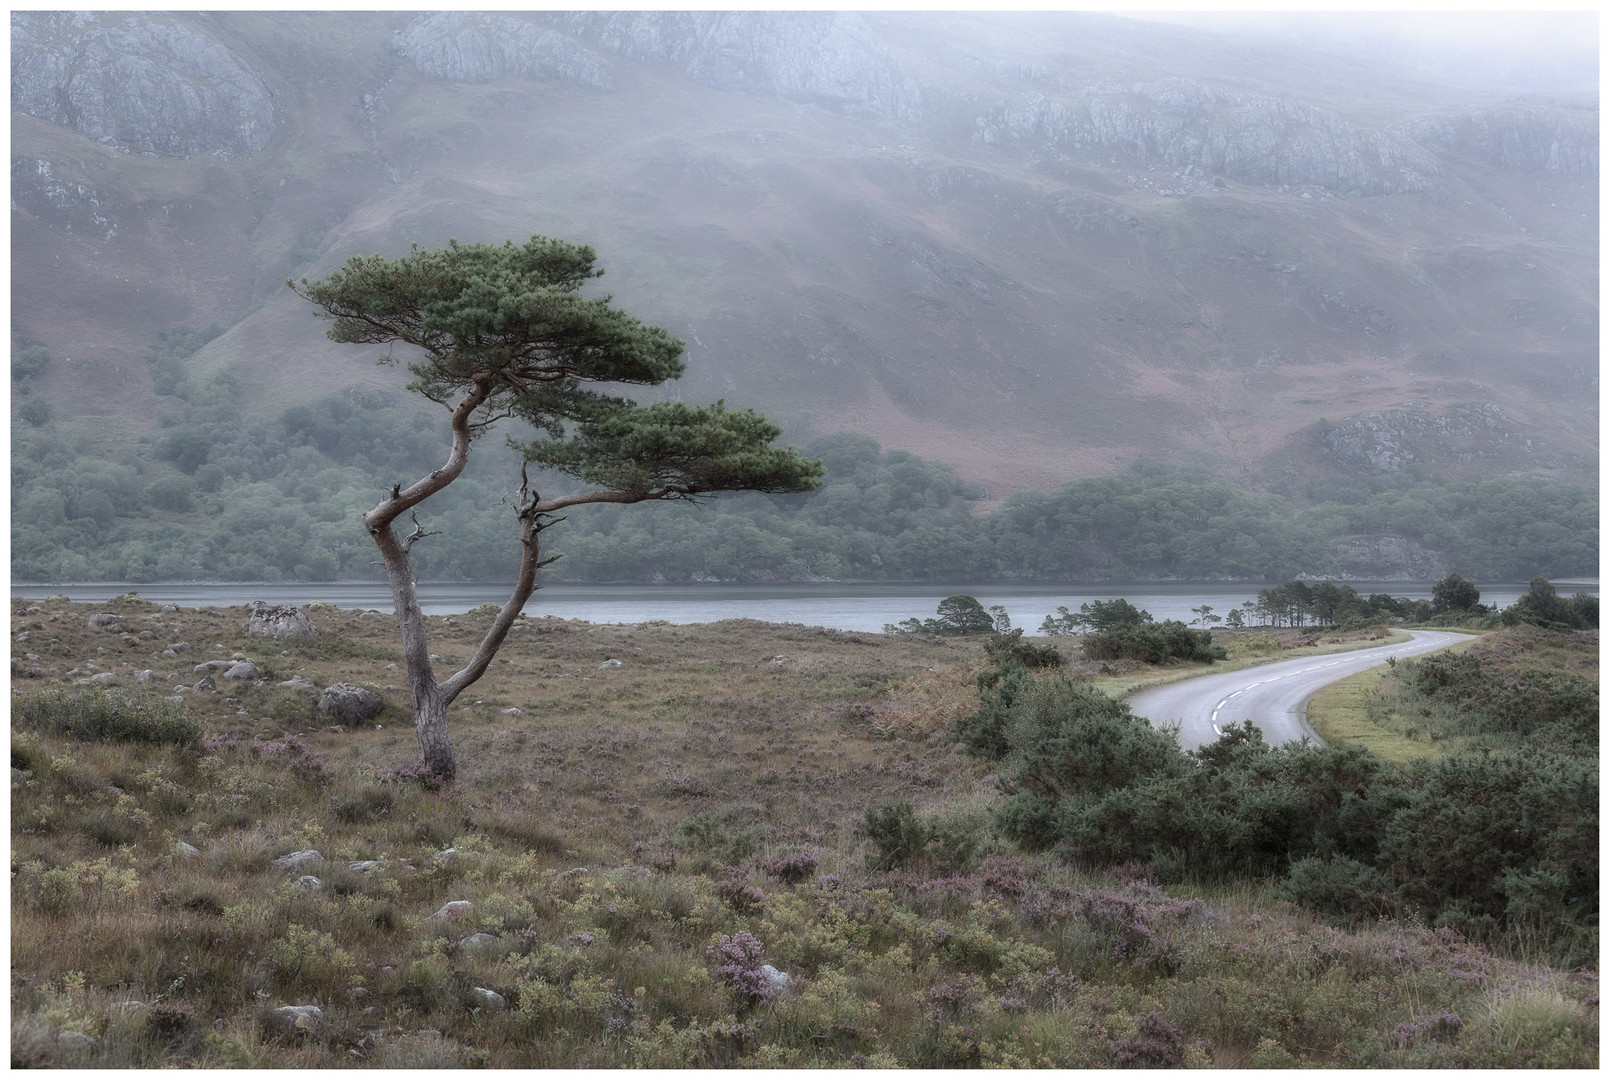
221, 494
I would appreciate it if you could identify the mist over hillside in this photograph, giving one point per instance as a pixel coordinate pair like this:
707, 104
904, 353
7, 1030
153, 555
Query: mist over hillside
1036, 247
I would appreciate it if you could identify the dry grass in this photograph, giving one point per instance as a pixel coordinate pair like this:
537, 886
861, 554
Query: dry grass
610, 835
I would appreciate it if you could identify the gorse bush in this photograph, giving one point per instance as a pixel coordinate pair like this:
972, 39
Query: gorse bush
1153, 643
91, 715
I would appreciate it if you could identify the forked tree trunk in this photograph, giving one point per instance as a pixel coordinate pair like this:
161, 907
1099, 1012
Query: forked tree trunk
431, 698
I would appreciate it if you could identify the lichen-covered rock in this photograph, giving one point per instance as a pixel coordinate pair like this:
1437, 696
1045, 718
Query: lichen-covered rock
106, 620
349, 702
138, 81
278, 622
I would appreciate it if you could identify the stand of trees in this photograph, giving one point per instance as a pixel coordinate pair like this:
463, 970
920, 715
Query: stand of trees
226, 493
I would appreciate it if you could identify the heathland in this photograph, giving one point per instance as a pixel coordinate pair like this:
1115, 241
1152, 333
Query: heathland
754, 844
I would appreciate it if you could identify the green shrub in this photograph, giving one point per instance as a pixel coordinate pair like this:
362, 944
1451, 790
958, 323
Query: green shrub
897, 833
92, 715
1153, 643
1010, 648
1339, 887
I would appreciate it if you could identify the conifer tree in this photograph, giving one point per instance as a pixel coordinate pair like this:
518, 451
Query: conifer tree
500, 331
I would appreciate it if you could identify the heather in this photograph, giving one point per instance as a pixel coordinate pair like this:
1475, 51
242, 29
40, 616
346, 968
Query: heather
743, 844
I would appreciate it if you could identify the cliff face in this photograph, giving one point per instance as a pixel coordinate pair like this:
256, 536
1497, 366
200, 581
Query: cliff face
138, 82
1035, 247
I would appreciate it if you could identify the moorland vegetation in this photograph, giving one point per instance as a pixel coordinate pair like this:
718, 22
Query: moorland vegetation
748, 844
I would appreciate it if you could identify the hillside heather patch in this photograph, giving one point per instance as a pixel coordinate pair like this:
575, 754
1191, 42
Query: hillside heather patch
663, 864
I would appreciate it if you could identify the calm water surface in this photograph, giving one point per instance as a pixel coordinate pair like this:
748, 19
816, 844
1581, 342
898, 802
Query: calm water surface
843, 607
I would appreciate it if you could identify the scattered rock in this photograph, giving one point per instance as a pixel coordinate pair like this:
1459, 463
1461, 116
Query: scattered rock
106, 620
210, 666
364, 866
777, 979
300, 1019
336, 729
309, 883
298, 859
74, 1040
350, 702
371, 614
205, 685
446, 855
480, 943
298, 682
178, 646
610, 664
512, 712
145, 676
489, 999
186, 851
453, 910
103, 678
279, 622
245, 671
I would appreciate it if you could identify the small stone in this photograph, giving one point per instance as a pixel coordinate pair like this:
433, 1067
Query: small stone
336, 729
480, 943
205, 685
453, 910
512, 712
305, 1019
298, 859
145, 676
298, 682
371, 614
186, 851
489, 999
610, 664
179, 646
74, 1040
309, 883
364, 866
103, 678
777, 979
446, 855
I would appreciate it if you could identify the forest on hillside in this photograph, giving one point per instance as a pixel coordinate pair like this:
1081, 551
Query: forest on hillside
221, 493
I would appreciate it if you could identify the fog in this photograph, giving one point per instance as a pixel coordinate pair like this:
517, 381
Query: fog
1537, 51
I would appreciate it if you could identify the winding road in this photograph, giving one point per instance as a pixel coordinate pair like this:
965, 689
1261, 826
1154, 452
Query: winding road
1274, 696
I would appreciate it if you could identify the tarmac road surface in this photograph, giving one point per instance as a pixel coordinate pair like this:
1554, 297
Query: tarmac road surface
1274, 696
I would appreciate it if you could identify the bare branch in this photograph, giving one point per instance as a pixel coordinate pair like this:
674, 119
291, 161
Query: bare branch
419, 533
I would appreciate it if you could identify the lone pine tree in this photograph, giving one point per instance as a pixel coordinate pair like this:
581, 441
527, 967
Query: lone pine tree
504, 331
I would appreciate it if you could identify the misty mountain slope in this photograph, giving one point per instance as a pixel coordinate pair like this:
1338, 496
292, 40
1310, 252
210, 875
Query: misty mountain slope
1034, 247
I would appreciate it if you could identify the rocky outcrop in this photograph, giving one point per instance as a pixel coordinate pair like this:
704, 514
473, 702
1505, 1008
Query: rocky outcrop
138, 82
1389, 440
826, 58
1385, 558
1517, 136
475, 47
1268, 142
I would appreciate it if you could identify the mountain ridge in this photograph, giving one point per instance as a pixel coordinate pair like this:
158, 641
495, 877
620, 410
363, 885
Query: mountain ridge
1033, 248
